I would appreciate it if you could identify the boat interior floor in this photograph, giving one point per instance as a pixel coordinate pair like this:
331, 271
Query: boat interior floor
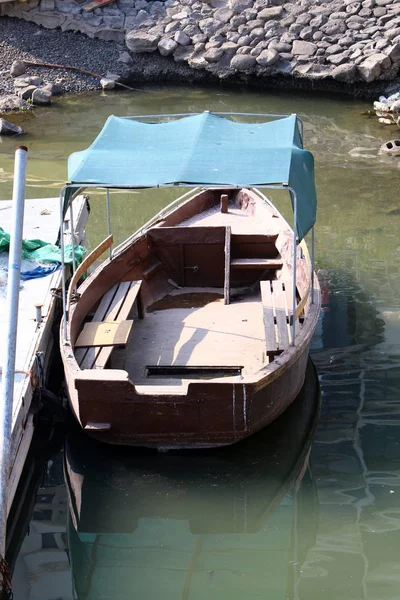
184, 338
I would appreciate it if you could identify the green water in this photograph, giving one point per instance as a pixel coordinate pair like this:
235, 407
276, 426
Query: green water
338, 537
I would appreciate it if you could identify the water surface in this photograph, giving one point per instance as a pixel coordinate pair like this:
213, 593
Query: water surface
344, 541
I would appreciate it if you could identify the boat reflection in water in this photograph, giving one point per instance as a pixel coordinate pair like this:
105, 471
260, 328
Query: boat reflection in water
226, 523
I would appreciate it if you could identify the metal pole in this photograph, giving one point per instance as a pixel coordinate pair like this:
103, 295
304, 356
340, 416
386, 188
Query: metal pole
10, 335
312, 264
72, 236
108, 218
63, 277
294, 196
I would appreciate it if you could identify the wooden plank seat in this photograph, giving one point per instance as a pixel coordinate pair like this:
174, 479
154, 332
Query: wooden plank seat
114, 307
276, 298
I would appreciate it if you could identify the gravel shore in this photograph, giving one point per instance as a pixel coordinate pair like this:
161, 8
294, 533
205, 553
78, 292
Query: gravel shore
20, 40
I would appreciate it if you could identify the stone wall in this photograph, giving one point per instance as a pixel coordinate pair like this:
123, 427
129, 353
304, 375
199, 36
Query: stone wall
343, 40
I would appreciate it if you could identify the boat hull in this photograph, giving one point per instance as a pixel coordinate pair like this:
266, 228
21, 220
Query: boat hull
122, 402
210, 415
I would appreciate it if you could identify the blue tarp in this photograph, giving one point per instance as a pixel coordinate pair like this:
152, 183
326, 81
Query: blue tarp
202, 149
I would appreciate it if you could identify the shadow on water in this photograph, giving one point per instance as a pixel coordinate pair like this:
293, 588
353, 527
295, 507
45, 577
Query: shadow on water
229, 523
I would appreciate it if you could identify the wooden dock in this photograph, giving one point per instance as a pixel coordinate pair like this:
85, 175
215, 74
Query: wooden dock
35, 343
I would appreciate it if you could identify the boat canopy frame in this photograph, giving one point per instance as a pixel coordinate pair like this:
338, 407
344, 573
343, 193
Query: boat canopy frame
72, 189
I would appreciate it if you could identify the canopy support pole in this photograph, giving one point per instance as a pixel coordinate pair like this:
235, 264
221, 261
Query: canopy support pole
72, 235
294, 199
10, 336
63, 274
108, 218
312, 263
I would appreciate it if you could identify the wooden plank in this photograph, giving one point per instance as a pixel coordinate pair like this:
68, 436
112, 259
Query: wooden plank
257, 263
105, 333
99, 315
133, 293
281, 314
253, 238
86, 263
96, 4
268, 317
111, 314
167, 236
227, 277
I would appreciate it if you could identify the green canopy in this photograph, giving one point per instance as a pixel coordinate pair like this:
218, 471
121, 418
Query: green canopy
200, 149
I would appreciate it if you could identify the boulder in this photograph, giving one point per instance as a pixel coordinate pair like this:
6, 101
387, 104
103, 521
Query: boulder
41, 97
372, 66
346, 73
166, 46
11, 102
55, 89
26, 93
140, 41
182, 38
243, 62
267, 58
394, 52
7, 128
18, 68
303, 48
22, 82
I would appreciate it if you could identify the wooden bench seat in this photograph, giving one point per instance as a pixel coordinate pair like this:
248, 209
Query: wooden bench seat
115, 306
276, 297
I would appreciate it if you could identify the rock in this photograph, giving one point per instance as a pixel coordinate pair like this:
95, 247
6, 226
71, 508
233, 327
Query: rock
243, 62
7, 128
55, 89
140, 41
223, 14
303, 48
394, 52
213, 55
21, 82
209, 26
107, 84
17, 68
11, 102
41, 97
346, 73
125, 58
391, 148
268, 58
271, 13
372, 67
181, 38
26, 93
239, 6
166, 46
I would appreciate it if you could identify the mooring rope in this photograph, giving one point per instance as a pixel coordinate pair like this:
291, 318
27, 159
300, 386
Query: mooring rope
5, 580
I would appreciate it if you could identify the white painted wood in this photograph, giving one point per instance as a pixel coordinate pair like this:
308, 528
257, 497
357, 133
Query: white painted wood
41, 222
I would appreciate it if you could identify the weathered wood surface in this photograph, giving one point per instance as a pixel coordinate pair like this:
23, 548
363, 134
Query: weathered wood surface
41, 221
116, 305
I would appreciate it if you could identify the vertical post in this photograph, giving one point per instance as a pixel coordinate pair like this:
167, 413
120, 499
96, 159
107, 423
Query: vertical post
108, 218
72, 236
312, 263
10, 335
63, 275
294, 198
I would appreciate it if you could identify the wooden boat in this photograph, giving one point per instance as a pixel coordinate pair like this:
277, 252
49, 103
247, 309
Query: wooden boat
195, 331
177, 523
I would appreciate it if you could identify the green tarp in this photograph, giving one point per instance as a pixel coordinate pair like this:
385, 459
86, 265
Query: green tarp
202, 149
39, 251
